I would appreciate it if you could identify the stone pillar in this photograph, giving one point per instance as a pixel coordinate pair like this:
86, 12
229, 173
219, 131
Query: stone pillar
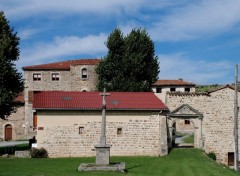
163, 136
103, 149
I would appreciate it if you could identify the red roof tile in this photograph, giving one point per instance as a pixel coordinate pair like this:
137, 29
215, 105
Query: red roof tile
64, 65
19, 98
172, 83
93, 101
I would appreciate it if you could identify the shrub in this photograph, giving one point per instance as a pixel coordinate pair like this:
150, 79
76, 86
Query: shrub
212, 155
38, 153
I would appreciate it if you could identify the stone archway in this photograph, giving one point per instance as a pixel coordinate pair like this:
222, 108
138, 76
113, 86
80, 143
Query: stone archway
8, 132
186, 112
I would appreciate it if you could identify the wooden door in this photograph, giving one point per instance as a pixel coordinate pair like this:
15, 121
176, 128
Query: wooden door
8, 132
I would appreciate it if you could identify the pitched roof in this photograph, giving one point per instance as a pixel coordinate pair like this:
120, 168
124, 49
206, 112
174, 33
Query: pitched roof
172, 83
93, 101
223, 87
64, 65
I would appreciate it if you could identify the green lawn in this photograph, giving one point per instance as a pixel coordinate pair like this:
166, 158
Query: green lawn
180, 162
189, 139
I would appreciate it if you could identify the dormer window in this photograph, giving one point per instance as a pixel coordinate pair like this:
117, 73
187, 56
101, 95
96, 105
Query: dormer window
37, 77
84, 73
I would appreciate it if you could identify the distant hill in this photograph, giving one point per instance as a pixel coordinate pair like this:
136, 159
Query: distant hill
207, 88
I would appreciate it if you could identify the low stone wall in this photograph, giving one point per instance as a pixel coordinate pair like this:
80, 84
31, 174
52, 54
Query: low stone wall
22, 154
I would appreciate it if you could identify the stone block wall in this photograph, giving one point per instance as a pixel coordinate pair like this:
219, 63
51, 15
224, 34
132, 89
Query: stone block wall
140, 134
182, 127
218, 112
16, 120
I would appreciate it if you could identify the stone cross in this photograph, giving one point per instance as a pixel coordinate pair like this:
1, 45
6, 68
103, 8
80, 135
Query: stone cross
103, 127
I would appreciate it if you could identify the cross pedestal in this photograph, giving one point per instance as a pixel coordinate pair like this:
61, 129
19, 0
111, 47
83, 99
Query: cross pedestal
102, 154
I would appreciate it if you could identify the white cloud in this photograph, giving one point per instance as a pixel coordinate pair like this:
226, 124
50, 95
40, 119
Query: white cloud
25, 8
175, 66
196, 19
27, 33
62, 47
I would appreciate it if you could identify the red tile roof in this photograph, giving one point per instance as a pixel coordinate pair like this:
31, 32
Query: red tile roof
64, 65
19, 98
93, 101
172, 83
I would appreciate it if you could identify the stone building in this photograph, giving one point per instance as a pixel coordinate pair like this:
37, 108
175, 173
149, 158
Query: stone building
161, 87
13, 127
132, 130
69, 123
212, 115
71, 75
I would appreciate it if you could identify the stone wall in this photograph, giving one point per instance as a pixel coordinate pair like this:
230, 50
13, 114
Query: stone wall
16, 120
76, 134
218, 112
69, 80
182, 127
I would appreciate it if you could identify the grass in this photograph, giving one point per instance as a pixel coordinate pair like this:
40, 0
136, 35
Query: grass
189, 139
180, 162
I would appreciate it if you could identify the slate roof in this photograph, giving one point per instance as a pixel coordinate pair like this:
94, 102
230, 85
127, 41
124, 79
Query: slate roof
63, 100
64, 65
172, 83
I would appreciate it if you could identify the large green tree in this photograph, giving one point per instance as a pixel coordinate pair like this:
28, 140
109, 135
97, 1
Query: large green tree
11, 83
130, 64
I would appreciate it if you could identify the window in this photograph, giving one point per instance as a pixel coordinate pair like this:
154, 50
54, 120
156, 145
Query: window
187, 89
81, 130
37, 76
55, 76
172, 89
119, 131
159, 90
187, 122
84, 73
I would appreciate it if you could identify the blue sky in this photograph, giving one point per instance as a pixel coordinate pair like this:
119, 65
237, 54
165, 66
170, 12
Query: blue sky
197, 40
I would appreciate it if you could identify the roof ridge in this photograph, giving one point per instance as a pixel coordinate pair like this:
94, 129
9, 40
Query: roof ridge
61, 64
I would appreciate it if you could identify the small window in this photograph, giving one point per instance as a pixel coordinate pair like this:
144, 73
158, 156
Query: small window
119, 131
172, 89
84, 73
159, 90
37, 76
187, 89
81, 130
55, 76
187, 122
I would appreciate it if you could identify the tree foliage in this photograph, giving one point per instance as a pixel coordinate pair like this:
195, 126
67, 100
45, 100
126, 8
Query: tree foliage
11, 83
130, 64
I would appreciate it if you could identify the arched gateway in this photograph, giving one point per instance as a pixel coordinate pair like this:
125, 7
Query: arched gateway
186, 112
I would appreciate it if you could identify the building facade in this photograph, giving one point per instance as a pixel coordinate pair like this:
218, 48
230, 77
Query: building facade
161, 87
13, 127
214, 112
69, 123
72, 75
